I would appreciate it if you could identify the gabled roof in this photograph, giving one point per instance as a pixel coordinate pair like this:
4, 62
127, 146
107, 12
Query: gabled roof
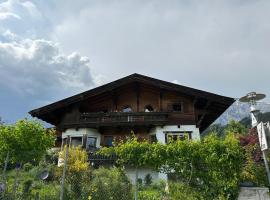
225, 102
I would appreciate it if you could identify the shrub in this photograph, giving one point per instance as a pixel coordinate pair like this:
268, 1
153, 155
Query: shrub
212, 165
27, 167
110, 184
47, 191
149, 195
78, 172
179, 191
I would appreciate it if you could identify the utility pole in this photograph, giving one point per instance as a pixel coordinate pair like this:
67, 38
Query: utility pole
252, 99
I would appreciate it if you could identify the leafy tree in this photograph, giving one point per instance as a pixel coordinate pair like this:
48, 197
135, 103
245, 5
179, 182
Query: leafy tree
25, 141
254, 170
235, 128
218, 129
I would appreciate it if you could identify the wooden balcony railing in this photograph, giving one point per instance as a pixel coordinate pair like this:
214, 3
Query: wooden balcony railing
132, 117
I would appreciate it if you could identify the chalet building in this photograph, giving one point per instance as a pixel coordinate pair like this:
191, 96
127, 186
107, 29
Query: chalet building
151, 109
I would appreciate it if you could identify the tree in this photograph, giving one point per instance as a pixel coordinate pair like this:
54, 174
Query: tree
235, 128
25, 141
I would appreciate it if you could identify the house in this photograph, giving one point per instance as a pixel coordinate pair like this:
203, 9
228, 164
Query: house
152, 109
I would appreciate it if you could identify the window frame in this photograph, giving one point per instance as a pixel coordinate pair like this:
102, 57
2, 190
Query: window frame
87, 143
177, 134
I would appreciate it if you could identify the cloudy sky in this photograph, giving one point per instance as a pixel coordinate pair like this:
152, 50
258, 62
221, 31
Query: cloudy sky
53, 49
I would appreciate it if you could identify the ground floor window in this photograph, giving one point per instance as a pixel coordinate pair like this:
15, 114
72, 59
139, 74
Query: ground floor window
76, 141
175, 136
108, 141
91, 142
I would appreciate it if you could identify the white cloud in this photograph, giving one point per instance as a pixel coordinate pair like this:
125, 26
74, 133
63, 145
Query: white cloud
38, 68
36, 72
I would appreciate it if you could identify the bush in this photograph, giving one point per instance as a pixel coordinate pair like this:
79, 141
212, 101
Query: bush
149, 195
110, 184
46, 191
27, 167
179, 191
78, 173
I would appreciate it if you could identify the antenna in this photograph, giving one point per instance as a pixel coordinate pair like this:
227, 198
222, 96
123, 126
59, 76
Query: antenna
252, 98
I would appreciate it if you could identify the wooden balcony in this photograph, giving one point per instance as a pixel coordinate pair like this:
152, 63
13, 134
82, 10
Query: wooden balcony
121, 118
128, 119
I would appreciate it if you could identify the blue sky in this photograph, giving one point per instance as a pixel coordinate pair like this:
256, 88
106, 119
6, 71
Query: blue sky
53, 49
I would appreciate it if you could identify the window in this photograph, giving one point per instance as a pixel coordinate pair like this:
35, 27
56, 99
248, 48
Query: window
91, 142
127, 109
148, 108
175, 136
177, 107
108, 141
76, 141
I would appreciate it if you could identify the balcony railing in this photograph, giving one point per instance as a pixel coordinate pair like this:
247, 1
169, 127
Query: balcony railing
129, 118
96, 159
121, 117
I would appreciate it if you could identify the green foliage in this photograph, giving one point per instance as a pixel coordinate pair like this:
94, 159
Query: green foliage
253, 172
110, 184
78, 172
77, 160
149, 195
26, 141
131, 152
29, 184
181, 191
212, 166
235, 128
27, 167
47, 191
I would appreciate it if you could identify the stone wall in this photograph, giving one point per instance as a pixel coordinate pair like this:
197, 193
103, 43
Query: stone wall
253, 193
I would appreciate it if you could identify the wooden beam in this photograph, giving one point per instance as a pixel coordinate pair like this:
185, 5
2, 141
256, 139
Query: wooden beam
114, 99
137, 90
204, 113
160, 100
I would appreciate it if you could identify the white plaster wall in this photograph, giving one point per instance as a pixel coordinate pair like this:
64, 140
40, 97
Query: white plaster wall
142, 172
160, 131
82, 131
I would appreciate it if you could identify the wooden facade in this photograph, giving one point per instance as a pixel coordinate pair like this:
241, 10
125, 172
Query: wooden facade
135, 103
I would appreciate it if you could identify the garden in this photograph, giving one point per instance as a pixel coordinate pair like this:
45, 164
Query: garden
212, 168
